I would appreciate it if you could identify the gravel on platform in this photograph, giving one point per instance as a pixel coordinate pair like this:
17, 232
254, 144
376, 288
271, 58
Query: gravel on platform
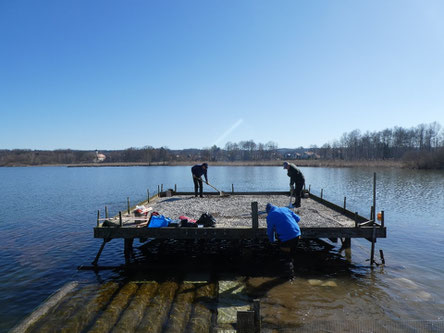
235, 210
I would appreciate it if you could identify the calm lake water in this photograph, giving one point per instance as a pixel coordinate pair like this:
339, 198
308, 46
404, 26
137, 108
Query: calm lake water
47, 215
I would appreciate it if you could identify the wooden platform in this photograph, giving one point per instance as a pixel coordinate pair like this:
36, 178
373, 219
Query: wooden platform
239, 217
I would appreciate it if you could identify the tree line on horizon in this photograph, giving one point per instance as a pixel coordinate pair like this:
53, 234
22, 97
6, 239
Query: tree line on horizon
420, 147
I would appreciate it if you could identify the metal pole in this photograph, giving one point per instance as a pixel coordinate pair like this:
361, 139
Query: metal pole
322, 192
120, 219
98, 218
128, 203
175, 188
345, 204
382, 218
147, 195
106, 211
232, 188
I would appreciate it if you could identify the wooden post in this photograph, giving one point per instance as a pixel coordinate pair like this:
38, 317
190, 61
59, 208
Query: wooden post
120, 219
381, 254
106, 212
161, 187
99, 253
232, 188
175, 188
257, 315
98, 218
356, 219
374, 197
309, 188
128, 249
345, 204
245, 322
128, 204
372, 252
322, 193
371, 214
158, 190
147, 195
254, 214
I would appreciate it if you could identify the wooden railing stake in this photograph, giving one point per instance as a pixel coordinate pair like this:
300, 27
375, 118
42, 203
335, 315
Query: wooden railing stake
254, 214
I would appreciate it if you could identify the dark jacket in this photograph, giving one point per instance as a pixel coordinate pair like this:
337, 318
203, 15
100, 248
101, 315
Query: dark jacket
198, 171
282, 221
295, 175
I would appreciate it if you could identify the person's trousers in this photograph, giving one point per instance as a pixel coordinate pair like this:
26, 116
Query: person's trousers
290, 245
198, 185
298, 194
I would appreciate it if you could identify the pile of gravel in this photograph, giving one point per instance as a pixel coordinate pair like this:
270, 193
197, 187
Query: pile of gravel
235, 210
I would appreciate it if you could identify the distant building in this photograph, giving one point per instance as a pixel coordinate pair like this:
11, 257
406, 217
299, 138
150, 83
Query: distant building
99, 157
309, 155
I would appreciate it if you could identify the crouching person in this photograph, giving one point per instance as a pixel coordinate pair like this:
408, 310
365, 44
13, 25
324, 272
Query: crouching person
282, 226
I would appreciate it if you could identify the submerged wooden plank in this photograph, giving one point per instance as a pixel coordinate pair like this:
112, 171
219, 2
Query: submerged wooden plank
181, 311
158, 310
132, 316
43, 309
201, 318
112, 312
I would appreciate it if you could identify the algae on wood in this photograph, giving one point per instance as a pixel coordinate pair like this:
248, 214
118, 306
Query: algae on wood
133, 314
58, 316
112, 312
183, 304
158, 310
201, 319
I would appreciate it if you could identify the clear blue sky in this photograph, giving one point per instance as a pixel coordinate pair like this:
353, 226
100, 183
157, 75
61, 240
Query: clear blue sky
86, 74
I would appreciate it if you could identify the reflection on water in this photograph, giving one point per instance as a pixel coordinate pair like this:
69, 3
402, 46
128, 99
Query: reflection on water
47, 215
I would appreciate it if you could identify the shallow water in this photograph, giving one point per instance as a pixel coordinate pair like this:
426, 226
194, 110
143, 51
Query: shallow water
47, 215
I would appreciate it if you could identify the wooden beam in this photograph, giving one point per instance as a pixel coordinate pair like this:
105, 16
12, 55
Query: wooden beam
232, 233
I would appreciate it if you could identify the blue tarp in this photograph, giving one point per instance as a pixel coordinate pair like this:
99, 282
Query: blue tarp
158, 221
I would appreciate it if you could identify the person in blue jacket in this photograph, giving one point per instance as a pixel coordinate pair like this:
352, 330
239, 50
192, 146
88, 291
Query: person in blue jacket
282, 224
198, 171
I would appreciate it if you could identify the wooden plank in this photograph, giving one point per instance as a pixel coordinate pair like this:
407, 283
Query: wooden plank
245, 322
338, 209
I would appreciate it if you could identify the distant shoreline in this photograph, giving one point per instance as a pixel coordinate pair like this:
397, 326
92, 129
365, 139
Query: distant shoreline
302, 163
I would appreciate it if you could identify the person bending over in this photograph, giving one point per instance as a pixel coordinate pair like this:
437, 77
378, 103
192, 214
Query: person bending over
198, 171
297, 182
282, 225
